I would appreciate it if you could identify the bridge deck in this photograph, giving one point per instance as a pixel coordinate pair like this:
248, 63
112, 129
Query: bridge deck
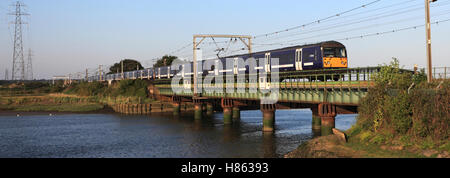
337, 86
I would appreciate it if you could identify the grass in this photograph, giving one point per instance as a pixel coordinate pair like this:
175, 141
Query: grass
50, 102
369, 150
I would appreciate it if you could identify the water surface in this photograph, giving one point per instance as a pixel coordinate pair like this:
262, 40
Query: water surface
120, 136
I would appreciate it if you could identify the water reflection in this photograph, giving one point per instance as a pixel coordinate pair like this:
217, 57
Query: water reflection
232, 132
317, 132
158, 135
269, 145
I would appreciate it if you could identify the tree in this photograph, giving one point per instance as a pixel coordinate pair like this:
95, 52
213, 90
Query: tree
128, 65
165, 61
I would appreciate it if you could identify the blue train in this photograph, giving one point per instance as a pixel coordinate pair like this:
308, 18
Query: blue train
324, 55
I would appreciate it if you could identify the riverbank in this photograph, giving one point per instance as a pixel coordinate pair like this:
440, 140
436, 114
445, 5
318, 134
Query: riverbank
50, 103
402, 116
78, 104
334, 147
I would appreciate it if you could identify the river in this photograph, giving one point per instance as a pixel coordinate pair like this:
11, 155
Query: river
119, 136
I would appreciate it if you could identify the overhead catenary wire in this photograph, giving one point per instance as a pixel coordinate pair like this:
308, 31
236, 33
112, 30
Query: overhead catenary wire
304, 25
357, 21
317, 21
186, 50
354, 29
376, 33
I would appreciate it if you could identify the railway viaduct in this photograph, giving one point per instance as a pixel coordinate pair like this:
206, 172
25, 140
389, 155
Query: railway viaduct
326, 92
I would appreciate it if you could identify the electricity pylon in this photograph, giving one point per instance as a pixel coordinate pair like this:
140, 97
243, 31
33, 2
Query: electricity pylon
18, 70
30, 65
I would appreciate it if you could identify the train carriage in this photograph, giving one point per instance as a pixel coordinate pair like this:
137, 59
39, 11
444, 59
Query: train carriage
324, 55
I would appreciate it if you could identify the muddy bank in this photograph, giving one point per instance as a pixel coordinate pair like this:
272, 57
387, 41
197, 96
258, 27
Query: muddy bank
105, 110
75, 109
324, 147
333, 147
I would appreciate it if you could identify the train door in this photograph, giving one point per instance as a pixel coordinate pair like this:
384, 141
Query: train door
267, 62
159, 73
169, 73
182, 71
298, 59
153, 73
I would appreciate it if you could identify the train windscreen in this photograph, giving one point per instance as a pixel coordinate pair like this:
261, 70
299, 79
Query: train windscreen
334, 52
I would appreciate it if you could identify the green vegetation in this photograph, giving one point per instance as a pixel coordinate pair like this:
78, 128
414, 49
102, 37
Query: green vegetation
404, 110
76, 97
51, 102
165, 61
123, 88
128, 65
129, 88
28, 88
86, 89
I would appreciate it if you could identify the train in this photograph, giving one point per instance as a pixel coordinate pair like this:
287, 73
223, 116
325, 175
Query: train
324, 55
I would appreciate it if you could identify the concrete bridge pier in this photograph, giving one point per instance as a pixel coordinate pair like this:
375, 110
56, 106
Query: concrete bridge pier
209, 109
176, 103
176, 109
327, 113
198, 111
227, 105
268, 111
236, 113
316, 121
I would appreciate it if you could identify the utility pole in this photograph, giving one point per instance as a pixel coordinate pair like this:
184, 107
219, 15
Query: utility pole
203, 37
18, 70
428, 42
194, 56
6, 74
121, 62
87, 75
100, 72
30, 65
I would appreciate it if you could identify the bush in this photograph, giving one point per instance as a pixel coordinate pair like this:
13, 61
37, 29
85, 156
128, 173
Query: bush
130, 88
366, 136
399, 112
378, 139
87, 89
403, 103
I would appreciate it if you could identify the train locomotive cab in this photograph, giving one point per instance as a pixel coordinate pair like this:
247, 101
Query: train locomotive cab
334, 55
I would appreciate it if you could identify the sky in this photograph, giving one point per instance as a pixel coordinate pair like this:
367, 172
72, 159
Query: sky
72, 35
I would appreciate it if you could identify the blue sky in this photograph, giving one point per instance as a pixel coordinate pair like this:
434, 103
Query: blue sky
71, 35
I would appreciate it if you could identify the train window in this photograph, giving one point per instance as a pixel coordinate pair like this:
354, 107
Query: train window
343, 52
334, 52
